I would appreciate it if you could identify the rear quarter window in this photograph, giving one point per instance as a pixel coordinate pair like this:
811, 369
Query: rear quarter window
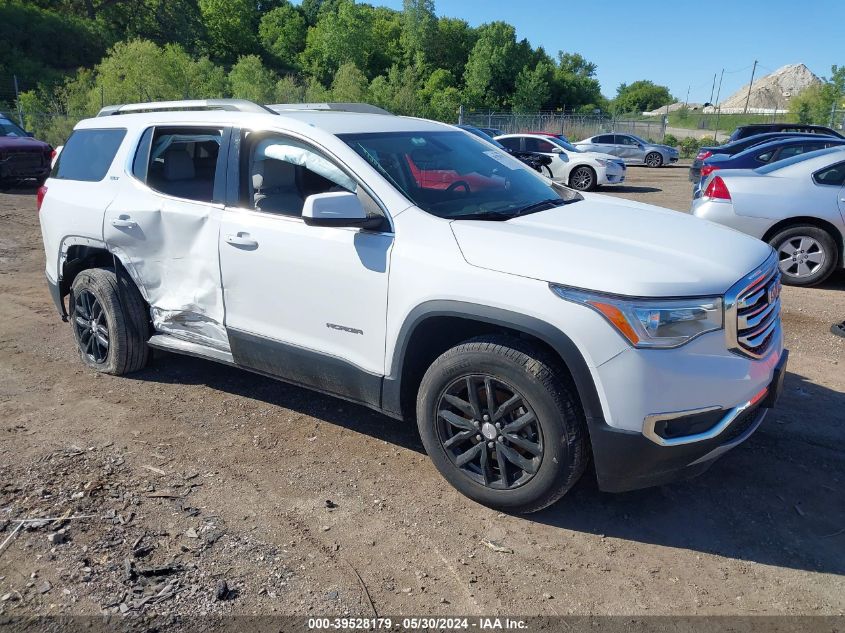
88, 154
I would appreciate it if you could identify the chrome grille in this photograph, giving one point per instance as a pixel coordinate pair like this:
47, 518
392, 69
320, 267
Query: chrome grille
753, 311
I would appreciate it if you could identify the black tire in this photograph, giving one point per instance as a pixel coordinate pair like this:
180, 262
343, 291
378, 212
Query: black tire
807, 254
653, 159
558, 423
582, 178
123, 313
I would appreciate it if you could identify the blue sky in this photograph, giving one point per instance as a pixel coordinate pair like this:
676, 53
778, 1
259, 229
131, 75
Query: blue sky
668, 41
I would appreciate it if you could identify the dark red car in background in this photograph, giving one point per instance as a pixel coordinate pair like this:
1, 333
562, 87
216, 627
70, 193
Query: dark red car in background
24, 161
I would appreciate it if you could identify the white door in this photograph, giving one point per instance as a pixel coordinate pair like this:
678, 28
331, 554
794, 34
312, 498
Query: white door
304, 303
164, 224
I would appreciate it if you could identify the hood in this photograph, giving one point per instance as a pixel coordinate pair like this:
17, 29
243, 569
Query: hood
22, 143
615, 246
665, 148
598, 155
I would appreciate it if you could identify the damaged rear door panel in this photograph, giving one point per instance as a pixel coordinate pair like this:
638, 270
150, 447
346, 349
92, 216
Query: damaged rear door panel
164, 225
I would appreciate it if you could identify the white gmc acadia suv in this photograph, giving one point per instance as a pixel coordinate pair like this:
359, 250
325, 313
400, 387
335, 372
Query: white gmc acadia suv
413, 268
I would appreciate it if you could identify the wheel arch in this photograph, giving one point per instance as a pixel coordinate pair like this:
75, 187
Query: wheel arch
78, 255
830, 228
435, 326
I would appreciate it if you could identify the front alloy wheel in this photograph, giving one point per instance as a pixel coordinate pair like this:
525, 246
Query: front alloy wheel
654, 159
582, 179
489, 431
499, 421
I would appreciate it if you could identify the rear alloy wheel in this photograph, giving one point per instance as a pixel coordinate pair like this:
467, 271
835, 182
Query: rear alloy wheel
109, 321
582, 178
654, 159
501, 424
807, 255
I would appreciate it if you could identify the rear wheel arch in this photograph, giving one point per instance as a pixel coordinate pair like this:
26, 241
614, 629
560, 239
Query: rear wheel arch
435, 326
78, 256
798, 220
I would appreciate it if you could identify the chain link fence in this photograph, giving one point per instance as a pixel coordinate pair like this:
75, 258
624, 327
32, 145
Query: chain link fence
573, 126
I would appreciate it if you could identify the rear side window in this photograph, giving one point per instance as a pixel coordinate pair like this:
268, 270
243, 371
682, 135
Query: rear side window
831, 176
606, 139
510, 143
88, 154
181, 162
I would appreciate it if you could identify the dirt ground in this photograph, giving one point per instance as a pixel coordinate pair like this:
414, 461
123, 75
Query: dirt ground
204, 489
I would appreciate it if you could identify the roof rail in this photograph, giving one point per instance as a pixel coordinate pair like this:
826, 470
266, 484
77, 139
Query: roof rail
231, 105
365, 108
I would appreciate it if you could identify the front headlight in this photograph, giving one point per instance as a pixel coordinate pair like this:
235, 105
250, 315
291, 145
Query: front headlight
603, 162
652, 322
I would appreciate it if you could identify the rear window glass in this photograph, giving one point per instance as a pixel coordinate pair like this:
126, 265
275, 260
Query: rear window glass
88, 154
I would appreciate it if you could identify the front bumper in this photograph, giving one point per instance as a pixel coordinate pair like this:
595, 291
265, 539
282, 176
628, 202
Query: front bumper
614, 174
627, 460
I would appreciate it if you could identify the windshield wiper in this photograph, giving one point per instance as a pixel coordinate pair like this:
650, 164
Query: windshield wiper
548, 203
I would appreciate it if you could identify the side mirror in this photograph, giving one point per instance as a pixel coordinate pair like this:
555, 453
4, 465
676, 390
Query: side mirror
640, 146
337, 209
29, 134
557, 150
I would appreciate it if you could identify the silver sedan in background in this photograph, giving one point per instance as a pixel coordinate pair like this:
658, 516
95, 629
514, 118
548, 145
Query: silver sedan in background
797, 205
632, 149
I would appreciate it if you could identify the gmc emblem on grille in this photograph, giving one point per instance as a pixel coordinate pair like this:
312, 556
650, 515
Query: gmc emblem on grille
774, 292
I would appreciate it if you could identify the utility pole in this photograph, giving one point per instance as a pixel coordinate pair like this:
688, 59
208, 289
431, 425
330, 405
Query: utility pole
748, 97
18, 101
686, 101
718, 107
713, 88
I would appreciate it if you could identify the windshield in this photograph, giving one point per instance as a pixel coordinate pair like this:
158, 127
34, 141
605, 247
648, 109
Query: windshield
7, 128
483, 135
457, 176
569, 147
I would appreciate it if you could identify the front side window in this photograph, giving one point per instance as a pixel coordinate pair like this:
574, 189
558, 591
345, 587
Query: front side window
456, 176
88, 154
278, 173
793, 150
180, 162
834, 176
538, 145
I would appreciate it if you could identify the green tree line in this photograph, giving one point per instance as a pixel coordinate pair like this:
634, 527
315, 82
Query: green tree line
82, 54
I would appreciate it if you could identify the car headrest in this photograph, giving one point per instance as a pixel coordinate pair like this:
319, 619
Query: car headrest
178, 165
272, 174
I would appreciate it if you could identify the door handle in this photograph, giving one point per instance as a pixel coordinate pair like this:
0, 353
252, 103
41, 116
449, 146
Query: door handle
123, 222
241, 239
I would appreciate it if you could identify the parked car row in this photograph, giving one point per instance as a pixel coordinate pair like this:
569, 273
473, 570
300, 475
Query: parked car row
788, 192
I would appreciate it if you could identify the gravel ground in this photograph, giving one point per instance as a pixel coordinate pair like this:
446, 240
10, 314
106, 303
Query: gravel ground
193, 488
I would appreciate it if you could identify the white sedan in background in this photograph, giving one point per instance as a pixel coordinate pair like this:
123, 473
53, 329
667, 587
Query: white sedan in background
797, 205
570, 166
